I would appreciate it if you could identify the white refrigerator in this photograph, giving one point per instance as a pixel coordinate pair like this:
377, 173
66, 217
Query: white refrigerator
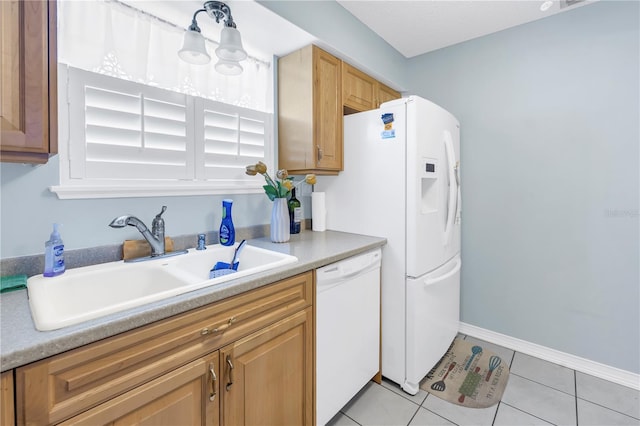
401, 181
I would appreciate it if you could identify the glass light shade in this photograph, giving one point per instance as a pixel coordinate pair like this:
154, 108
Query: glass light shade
229, 67
546, 5
193, 49
230, 48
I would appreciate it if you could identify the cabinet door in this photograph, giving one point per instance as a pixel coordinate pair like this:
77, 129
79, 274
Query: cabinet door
185, 396
28, 121
327, 110
7, 412
358, 90
386, 93
268, 376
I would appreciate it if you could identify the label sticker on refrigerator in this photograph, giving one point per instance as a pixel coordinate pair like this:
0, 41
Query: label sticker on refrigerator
388, 132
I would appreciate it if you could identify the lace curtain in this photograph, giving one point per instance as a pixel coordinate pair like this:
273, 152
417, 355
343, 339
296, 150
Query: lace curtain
111, 38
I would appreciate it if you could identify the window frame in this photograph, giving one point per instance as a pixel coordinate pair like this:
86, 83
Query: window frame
196, 184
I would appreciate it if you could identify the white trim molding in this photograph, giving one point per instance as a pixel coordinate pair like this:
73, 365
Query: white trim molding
606, 372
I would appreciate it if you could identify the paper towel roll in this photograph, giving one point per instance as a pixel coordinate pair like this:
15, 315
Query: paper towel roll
318, 211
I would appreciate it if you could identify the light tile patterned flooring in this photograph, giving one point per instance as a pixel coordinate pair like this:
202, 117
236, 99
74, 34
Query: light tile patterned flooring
538, 393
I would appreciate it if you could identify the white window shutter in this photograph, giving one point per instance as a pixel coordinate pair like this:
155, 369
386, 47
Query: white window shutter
130, 131
128, 139
232, 138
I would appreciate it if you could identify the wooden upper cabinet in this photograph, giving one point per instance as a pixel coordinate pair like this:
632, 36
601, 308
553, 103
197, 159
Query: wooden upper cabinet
361, 92
310, 112
386, 93
315, 89
358, 90
28, 106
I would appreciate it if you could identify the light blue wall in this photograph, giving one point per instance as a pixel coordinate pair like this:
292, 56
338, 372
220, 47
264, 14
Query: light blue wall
339, 32
549, 115
28, 209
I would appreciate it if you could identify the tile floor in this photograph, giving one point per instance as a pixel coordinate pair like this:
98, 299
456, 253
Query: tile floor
538, 393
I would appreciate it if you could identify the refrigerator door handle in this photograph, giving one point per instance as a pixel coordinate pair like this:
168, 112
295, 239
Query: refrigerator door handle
453, 186
456, 268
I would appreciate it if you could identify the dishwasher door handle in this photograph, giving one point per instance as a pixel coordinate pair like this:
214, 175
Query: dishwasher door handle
337, 273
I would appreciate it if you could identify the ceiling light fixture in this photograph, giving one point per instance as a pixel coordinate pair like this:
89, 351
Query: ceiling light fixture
229, 52
546, 5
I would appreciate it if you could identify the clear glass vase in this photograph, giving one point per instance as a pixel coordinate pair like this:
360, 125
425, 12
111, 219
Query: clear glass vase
280, 232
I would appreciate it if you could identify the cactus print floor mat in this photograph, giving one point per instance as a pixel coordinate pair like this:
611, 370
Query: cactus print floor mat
468, 375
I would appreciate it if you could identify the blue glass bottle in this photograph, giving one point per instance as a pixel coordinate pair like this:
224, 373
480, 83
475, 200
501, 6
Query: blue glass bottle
227, 231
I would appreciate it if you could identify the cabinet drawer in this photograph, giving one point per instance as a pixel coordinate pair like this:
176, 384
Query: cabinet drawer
59, 387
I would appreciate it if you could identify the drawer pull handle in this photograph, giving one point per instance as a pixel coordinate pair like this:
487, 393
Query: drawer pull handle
230, 372
223, 327
214, 378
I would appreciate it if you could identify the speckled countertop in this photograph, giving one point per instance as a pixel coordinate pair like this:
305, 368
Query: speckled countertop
21, 343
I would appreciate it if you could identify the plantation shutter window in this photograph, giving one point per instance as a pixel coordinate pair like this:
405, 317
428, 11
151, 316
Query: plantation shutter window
130, 139
130, 131
232, 139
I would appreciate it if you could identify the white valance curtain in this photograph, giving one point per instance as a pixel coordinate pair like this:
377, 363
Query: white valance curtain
110, 38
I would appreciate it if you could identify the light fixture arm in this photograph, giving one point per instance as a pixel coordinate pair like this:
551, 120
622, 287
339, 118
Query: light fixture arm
194, 24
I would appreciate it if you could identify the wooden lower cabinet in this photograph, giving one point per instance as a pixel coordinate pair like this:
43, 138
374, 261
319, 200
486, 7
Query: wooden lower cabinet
247, 360
7, 412
269, 375
263, 379
185, 396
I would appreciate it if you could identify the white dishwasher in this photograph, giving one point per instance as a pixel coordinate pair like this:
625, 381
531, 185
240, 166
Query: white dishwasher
347, 330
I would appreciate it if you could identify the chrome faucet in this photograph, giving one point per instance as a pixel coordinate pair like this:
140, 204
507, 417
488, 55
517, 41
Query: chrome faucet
155, 238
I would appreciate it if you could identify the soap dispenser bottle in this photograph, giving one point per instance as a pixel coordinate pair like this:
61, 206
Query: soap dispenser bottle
54, 254
227, 231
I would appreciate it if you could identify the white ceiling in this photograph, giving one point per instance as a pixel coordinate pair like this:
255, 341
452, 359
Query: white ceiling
416, 27
412, 27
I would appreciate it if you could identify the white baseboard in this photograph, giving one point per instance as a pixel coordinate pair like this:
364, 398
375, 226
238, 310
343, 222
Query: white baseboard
606, 372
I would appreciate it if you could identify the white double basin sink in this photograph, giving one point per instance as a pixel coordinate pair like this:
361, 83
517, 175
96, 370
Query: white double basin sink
90, 292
